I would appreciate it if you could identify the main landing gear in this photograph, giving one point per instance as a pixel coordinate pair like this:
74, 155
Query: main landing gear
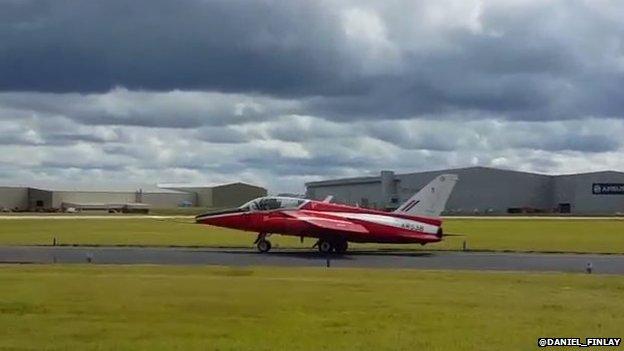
326, 246
262, 244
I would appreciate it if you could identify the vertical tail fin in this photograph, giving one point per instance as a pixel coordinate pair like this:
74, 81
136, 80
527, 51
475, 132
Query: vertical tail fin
431, 199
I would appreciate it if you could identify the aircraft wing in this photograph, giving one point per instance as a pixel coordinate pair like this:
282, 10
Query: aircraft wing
330, 223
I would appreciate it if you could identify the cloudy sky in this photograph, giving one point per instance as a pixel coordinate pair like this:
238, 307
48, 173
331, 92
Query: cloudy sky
282, 92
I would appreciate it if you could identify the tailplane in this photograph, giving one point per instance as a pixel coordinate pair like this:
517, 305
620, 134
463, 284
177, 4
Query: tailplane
431, 199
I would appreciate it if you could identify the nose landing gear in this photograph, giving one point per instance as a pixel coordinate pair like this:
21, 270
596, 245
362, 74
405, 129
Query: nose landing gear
262, 244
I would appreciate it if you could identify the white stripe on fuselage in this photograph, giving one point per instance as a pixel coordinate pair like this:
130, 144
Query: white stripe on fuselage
389, 221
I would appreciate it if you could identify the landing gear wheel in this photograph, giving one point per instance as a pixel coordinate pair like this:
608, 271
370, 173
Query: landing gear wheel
264, 246
341, 246
325, 246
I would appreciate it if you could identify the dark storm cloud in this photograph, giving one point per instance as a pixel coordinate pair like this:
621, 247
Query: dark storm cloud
93, 46
540, 61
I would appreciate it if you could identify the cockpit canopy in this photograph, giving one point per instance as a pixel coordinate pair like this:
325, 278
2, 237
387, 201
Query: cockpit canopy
273, 203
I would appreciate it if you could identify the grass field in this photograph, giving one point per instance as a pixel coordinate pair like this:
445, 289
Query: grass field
200, 308
552, 235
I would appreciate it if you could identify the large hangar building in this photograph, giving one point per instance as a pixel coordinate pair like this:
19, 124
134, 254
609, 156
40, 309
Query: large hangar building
484, 190
141, 200
221, 195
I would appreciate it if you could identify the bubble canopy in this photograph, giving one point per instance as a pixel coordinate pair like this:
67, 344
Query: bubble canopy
273, 203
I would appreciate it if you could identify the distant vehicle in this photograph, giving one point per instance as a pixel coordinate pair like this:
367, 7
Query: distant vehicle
335, 225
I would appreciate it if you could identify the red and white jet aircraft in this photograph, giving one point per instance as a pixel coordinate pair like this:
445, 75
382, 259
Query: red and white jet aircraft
334, 225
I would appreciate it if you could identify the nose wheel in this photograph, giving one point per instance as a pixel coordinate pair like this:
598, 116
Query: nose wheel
262, 244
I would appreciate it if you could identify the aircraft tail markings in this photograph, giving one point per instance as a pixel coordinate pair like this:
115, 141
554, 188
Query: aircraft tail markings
431, 199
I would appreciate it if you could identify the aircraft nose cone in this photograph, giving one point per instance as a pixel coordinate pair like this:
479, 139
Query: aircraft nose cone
217, 217
203, 219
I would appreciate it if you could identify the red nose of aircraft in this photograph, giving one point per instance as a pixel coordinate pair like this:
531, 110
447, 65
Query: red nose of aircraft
226, 218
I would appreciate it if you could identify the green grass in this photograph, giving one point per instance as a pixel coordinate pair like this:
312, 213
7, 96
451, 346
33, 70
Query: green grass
181, 211
118, 231
218, 308
570, 235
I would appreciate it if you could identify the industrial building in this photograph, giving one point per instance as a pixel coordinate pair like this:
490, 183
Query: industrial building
141, 200
483, 190
220, 195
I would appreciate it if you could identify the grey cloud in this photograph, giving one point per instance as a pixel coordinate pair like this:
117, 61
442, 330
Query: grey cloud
75, 137
93, 164
173, 109
306, 128
161, 154
542, 164
588, 135
282, 92
574, 142
414, 136
53, 131
225, 135
91, 46
345, 60
320, 165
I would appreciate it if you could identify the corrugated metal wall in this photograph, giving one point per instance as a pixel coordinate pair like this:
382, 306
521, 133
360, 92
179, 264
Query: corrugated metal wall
13, 198
483, 190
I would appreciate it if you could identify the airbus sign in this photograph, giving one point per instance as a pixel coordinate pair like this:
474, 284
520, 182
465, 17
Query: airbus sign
608, 189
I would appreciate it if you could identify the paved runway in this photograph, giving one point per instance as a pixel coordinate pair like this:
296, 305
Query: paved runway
612, 264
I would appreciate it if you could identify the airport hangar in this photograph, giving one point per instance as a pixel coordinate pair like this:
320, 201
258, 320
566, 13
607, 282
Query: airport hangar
484, 190
141, 200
